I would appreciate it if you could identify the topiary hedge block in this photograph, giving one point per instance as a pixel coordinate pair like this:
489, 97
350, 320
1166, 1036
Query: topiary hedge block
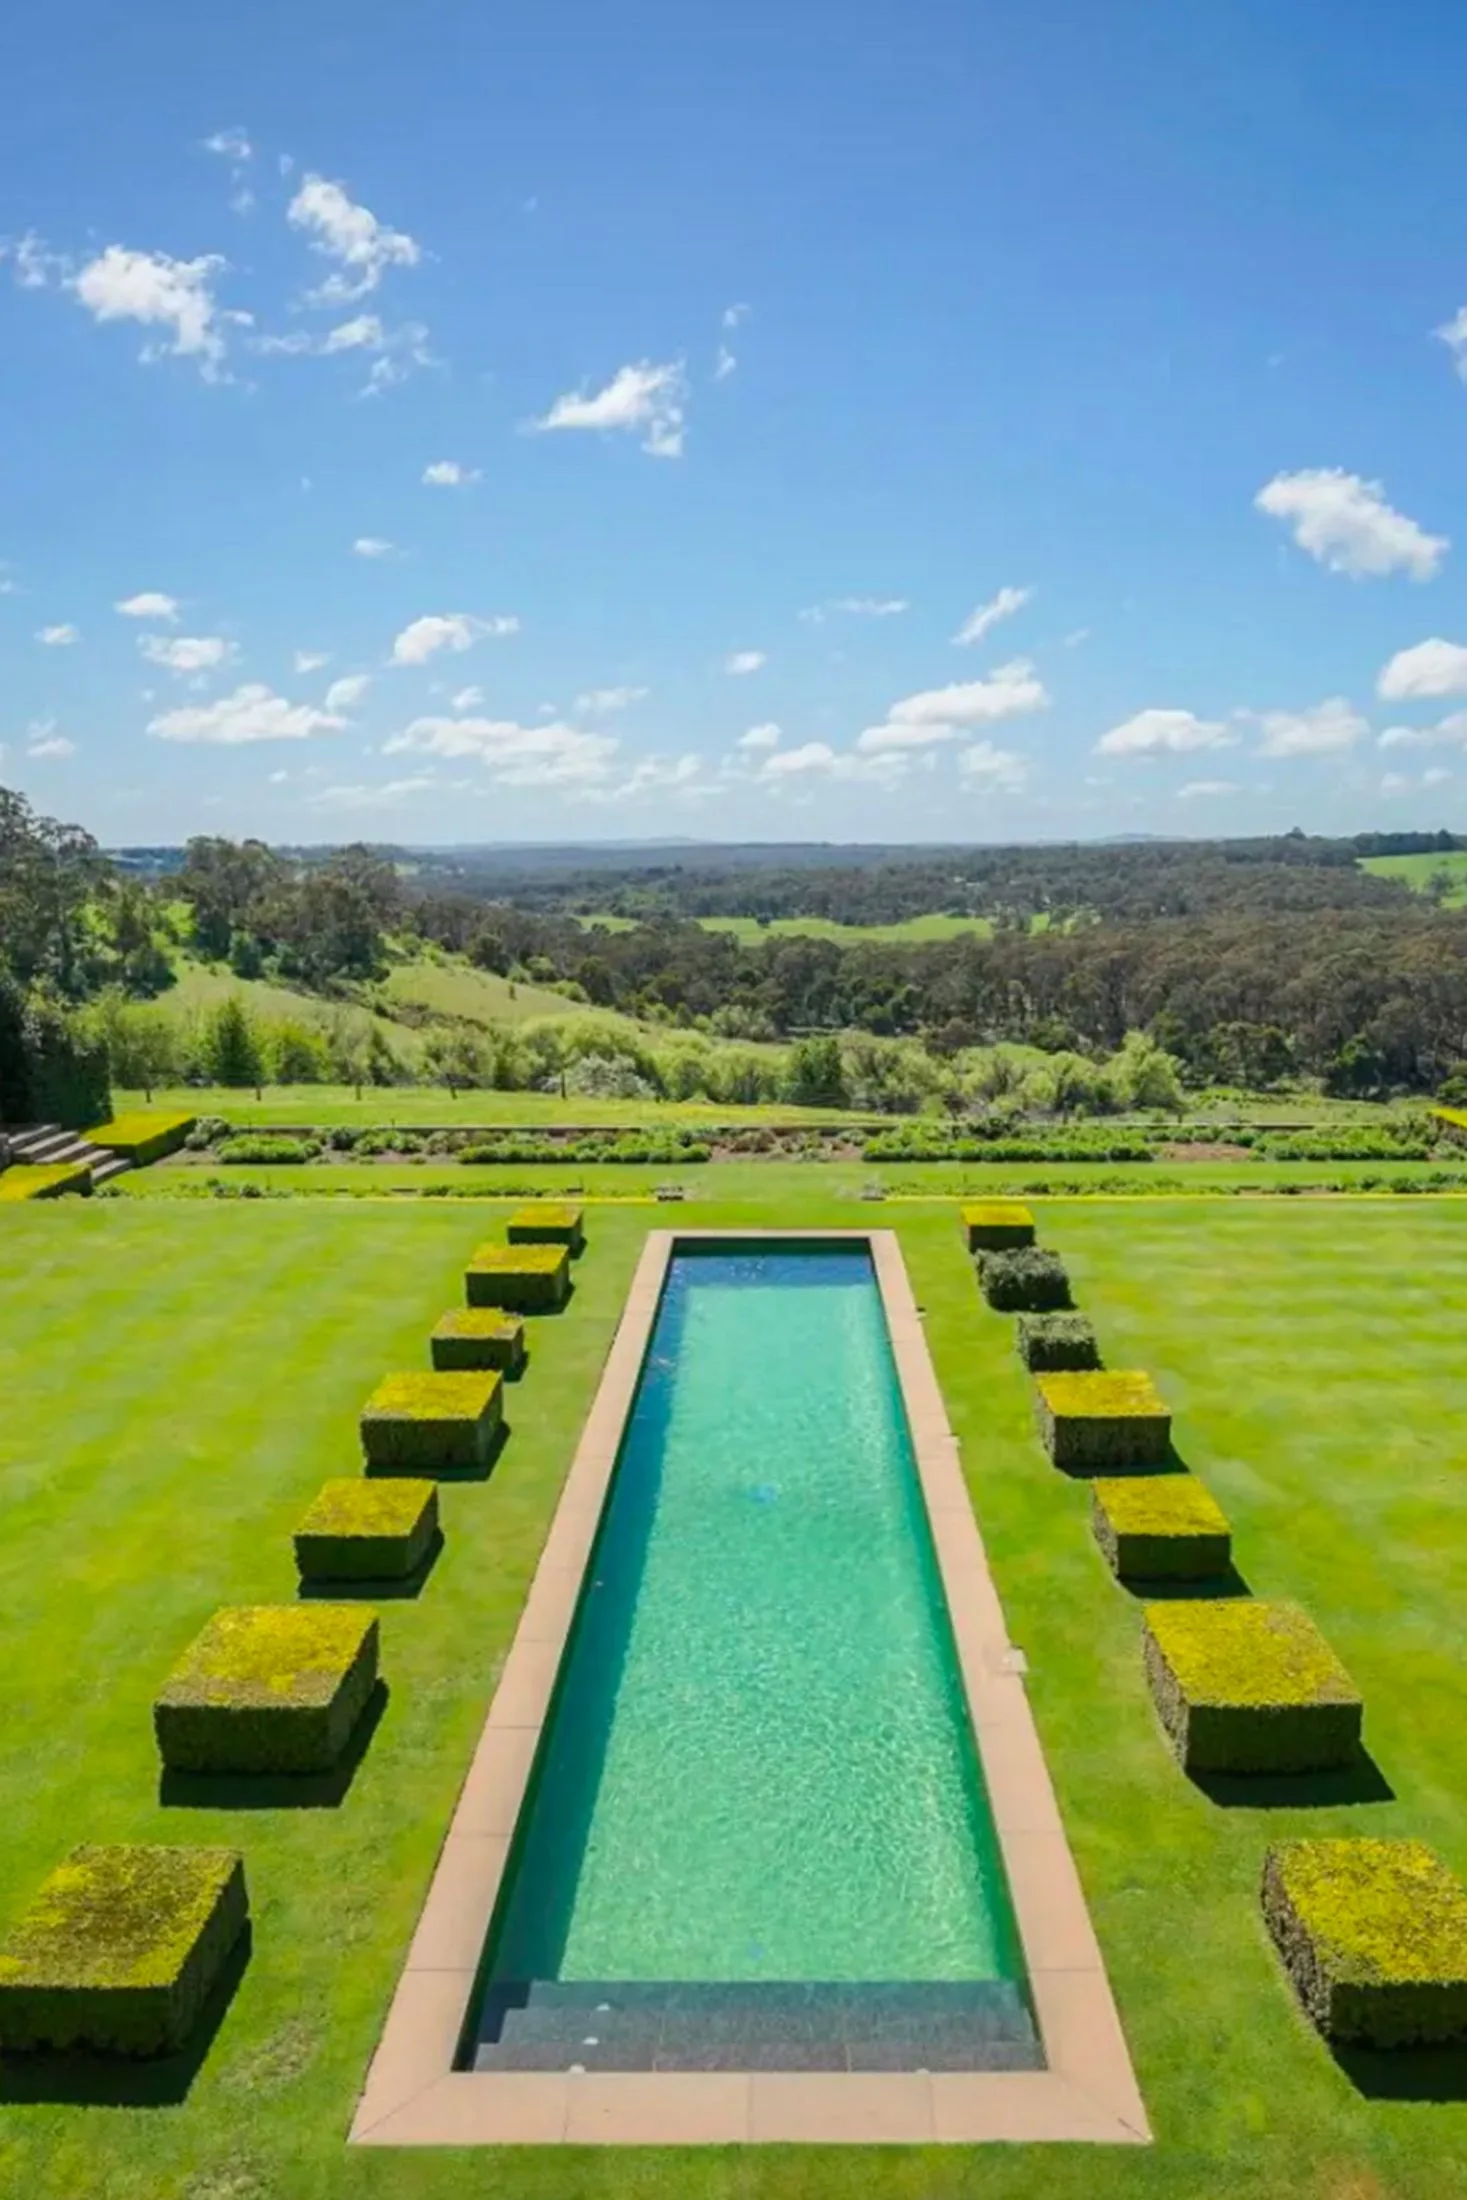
268, 1688
121, 1948
548, 1223
143, 1137
1248, 1687
478, 1337
1373, 1935
1025, 1281
1098, 1423
997, 1226
1047, 1342
443, 1423
361, 1529
528, 1279
1161, 1527
45, 1179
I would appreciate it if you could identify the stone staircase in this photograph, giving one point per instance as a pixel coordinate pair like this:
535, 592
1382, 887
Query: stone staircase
41, 1144
558, 2024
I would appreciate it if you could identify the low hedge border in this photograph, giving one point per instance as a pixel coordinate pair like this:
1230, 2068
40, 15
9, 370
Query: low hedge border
1373, 1937
268, 1688
1027, 1280
1160, 1527
478, 1337
1055, 1343
1248, 1687
428, 1424
1110, 1422
367, 1529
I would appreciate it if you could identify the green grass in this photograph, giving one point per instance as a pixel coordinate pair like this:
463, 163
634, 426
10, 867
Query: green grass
1419, 871
227, 1351
458, 989
431, 1107
910, 932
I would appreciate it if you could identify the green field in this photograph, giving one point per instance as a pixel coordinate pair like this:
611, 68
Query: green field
404, 1106
1419, 871
911, 932
226, 1350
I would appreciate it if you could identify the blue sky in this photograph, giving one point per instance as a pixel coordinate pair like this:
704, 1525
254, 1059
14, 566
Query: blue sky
960, 420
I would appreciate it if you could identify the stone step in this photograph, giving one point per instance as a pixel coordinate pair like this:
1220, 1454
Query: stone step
114, 1164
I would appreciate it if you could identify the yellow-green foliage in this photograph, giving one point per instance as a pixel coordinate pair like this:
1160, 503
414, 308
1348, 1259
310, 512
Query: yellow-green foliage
1163, 1527
547, 1222
268, 1688
1373, 1935
1090, 1394
997, 1225
360, 1529
528, 1278
478, 1337
1096, 1421
1248, 1687
120, 1947
44, 1180
453, 1395
443, 1422
143, 1137
1454, 1119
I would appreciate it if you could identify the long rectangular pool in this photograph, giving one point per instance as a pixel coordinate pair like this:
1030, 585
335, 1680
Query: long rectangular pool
757, 1834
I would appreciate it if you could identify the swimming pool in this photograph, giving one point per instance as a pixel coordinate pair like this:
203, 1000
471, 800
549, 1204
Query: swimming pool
757, 1835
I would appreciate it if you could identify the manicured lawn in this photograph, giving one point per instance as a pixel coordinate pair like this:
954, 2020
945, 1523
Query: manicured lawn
182, 1379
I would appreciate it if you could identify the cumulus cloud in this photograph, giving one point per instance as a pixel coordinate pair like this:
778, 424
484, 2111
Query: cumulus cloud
551, 754
311, 660
398, 349
251, 713
1203, 790
1454, 336
173, 295
1003, 769
43, 741
988, 615
186, 652
939, 714
383, 797
1432, 668
151, 604
855, 607
346, 694
451, 630
817, 759
447, 473
1164, 732
1322, 730
638, 397
467, 698
679, 776
759, 737
599, 702
230, 144
372, 546
1448, 732
1345, 523
743, 662
363, 247
57, 637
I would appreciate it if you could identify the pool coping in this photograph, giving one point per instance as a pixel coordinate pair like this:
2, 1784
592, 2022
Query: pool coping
414, 2095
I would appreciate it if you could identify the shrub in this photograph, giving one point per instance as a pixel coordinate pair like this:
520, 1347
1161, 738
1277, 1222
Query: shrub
546, 1223
432, 1424
1027, 1280
1373, 1936
1094, 1423
1248, 1687
358, 1529
473, 1337
268, 1688
264, 1149
207, 1130
526, 1278
997, 1226
1056, 1341
120, 1949
143, 1138
1160, 1527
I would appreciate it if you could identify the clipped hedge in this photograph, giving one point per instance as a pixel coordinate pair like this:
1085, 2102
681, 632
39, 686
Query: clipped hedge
360, 1529
547, 1222
1373, 1936
443, 1423
1051, 1342
268, 1688
1027, 1280
142, 1138
477, 1337
997, 1226
525, 1148
1094, 1422
45, 1180
120, 1949
528, 1279
1249, 1687
265, 1149
1161, 1527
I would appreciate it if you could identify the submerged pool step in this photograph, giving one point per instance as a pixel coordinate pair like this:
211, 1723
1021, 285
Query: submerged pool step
945, 2025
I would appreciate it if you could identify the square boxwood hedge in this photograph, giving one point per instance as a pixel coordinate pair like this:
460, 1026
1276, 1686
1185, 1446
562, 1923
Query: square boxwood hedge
268, 1688
45, 1179
528, 1279
478, 1337
548, 1222
1095, 1422
1047, 1342
997, 1226
1160, 1527
143, 1137
1373, 1936
443, 1423
120, 1949
1025, 1281
362, 1528
1249, 1687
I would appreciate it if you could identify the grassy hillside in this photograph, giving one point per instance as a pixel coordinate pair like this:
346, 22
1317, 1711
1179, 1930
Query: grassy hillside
1417, 872
458, 989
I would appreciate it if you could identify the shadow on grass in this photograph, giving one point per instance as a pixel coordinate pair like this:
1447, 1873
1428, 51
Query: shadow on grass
390, 1590
1230, 1584
277, 1790
117, 2081
1361, 1781
1405, 2073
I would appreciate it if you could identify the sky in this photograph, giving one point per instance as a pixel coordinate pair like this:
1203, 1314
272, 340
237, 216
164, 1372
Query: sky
977, 420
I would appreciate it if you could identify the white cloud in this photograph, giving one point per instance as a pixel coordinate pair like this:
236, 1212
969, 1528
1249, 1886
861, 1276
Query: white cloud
1172, 732
598, 702
936, 714
346, 694
856, 607
176, 295
251, 713
399, 349
547, 755
278, 779
813, 756
819, 759
36, 266
642, 396
385, 797
151, 604
724, 365
680, 776
1203, 790
351, 235
468, 698
1394, 783
230, 145
1448, 732
311, 660
1454, 336
447, 473
759, 737
1322, 730
372, 546
451, 630
899, 734
1004, 769
43, 740
988, 615
186, 652
1345, 522
743, 662
1436, 777
57, 637
733, 315
1073, 640
1431, 668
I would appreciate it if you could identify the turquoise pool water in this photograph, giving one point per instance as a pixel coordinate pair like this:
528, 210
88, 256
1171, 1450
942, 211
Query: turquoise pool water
759, 1769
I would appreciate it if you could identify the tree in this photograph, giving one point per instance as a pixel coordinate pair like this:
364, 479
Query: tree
456, 1059
815, 1077
232, 1053
49, 873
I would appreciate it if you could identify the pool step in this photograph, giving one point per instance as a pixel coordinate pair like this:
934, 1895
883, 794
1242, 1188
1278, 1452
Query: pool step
553, 2024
